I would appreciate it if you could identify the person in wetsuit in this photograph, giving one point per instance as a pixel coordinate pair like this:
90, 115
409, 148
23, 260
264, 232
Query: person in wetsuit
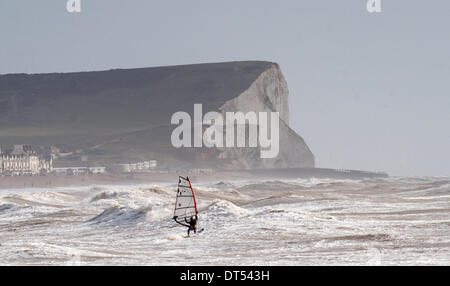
192, 224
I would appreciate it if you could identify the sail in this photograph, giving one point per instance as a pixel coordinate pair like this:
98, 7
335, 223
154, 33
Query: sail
185, 205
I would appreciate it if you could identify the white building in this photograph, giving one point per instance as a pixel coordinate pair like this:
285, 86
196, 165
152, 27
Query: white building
133, 167
79, 171
97, 170
23, 160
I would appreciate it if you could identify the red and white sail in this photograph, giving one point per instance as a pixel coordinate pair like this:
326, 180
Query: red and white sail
185, 205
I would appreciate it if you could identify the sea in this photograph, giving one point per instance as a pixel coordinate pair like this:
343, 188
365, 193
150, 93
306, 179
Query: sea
381, 221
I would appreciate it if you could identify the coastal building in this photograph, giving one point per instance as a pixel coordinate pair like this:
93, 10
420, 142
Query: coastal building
144, 166
97, 170
79, 171
23, 160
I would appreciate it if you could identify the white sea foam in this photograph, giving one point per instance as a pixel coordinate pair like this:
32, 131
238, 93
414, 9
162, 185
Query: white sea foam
286, 222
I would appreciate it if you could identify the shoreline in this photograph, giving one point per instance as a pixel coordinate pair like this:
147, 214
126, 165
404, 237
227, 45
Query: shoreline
54, 181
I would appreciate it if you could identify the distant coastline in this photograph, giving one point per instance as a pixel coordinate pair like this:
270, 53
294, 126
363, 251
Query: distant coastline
54, 181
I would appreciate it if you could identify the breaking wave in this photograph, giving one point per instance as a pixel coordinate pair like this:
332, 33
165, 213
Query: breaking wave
226, 208
121, 216
5, 207
104, 196
224, 185
270, 186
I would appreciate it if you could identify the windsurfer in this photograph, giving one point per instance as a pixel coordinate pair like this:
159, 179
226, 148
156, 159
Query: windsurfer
193, 221
186, 213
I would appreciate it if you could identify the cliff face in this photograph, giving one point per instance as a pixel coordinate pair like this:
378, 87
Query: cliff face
124, 115
269, 93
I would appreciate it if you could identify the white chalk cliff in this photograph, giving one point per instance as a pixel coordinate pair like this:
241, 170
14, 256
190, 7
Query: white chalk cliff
124, 115
269, 93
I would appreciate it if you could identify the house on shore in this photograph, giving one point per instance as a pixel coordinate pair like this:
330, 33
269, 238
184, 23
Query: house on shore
23, 160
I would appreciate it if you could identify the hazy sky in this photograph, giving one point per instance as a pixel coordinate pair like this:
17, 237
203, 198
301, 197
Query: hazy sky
367, 91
